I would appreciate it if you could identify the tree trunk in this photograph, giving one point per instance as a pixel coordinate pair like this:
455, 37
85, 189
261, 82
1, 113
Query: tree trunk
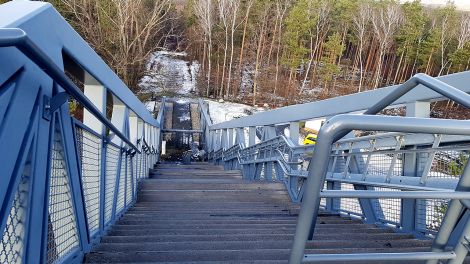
397, 71
224, 63
231, 62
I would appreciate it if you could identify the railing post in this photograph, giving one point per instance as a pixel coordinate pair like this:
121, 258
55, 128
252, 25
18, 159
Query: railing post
118, 118
230, 137
294, 132
224, 139
240, 137
251, 136
268, 132
96, 93
409, 207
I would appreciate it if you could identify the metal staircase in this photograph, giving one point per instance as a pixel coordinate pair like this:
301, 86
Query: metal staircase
374, 189
201, 213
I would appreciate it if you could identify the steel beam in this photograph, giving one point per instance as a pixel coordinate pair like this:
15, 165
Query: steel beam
361, 101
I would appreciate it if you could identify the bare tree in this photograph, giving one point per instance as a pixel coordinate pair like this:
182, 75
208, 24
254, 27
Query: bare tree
123, 32
233, 7
385, 21
464, 31
203, 10
360, 23
321, 28
248, 5
447, 31
281, 9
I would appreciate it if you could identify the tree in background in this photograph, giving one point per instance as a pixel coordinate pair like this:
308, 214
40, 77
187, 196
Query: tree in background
361, 20
333, 48
446, 24
123, 32
409, 37
386, 19
203, 10
280, 51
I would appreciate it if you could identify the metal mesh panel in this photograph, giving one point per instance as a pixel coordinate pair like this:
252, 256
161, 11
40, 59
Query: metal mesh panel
430, 213
323, 200
129, 179
448, 163
12, 243
388, 210
122, 185
135, 168
348, 205
62, 235
89, 146
380, 164
340, 164
112, 157
143, 161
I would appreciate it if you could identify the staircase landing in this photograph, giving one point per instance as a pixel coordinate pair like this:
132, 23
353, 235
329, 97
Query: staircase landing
201, 214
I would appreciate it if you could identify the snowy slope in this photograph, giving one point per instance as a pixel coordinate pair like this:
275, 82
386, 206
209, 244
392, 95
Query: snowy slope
221, 112
170, 72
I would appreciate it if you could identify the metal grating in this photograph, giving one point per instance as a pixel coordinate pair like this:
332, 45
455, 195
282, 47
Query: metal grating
347, 205
122, 185
135, 168
62, 237
13, 238
387, 210
141, 165
430, 213
323, 200
112, 157
380, 164
89, 146
129, 180
449, 163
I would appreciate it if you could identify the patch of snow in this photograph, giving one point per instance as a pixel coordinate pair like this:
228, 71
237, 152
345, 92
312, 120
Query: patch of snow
170, 72
314, 124
182, 101
185, 117
226, 111
150, 105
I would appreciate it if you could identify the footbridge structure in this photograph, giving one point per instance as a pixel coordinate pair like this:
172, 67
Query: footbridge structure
81, 179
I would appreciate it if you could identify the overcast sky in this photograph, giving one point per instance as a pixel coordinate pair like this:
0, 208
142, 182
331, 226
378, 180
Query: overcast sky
461, 4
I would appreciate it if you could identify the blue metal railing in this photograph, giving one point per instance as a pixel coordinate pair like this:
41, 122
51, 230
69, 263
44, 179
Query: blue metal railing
64, 182
413, 179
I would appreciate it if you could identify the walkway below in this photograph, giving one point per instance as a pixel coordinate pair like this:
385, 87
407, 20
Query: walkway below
202, 214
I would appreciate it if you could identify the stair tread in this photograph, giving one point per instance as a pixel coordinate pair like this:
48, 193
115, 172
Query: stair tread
202, 214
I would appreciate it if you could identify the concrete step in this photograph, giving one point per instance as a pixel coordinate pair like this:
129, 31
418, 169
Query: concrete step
254, 245
195, 165
202, 214
249, 237
209, 206
128, 231
196, 180
218, 255
215, 196
197, 177
233, 221
177, 185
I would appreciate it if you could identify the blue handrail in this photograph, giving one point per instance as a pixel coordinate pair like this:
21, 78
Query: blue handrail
15, 37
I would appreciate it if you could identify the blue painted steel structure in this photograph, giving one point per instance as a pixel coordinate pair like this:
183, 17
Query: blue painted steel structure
414, 177
64, 182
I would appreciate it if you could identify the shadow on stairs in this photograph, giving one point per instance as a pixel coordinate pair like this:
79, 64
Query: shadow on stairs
200, 213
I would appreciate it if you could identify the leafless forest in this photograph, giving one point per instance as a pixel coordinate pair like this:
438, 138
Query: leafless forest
278, 52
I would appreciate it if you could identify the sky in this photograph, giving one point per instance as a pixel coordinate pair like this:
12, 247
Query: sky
461, 4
